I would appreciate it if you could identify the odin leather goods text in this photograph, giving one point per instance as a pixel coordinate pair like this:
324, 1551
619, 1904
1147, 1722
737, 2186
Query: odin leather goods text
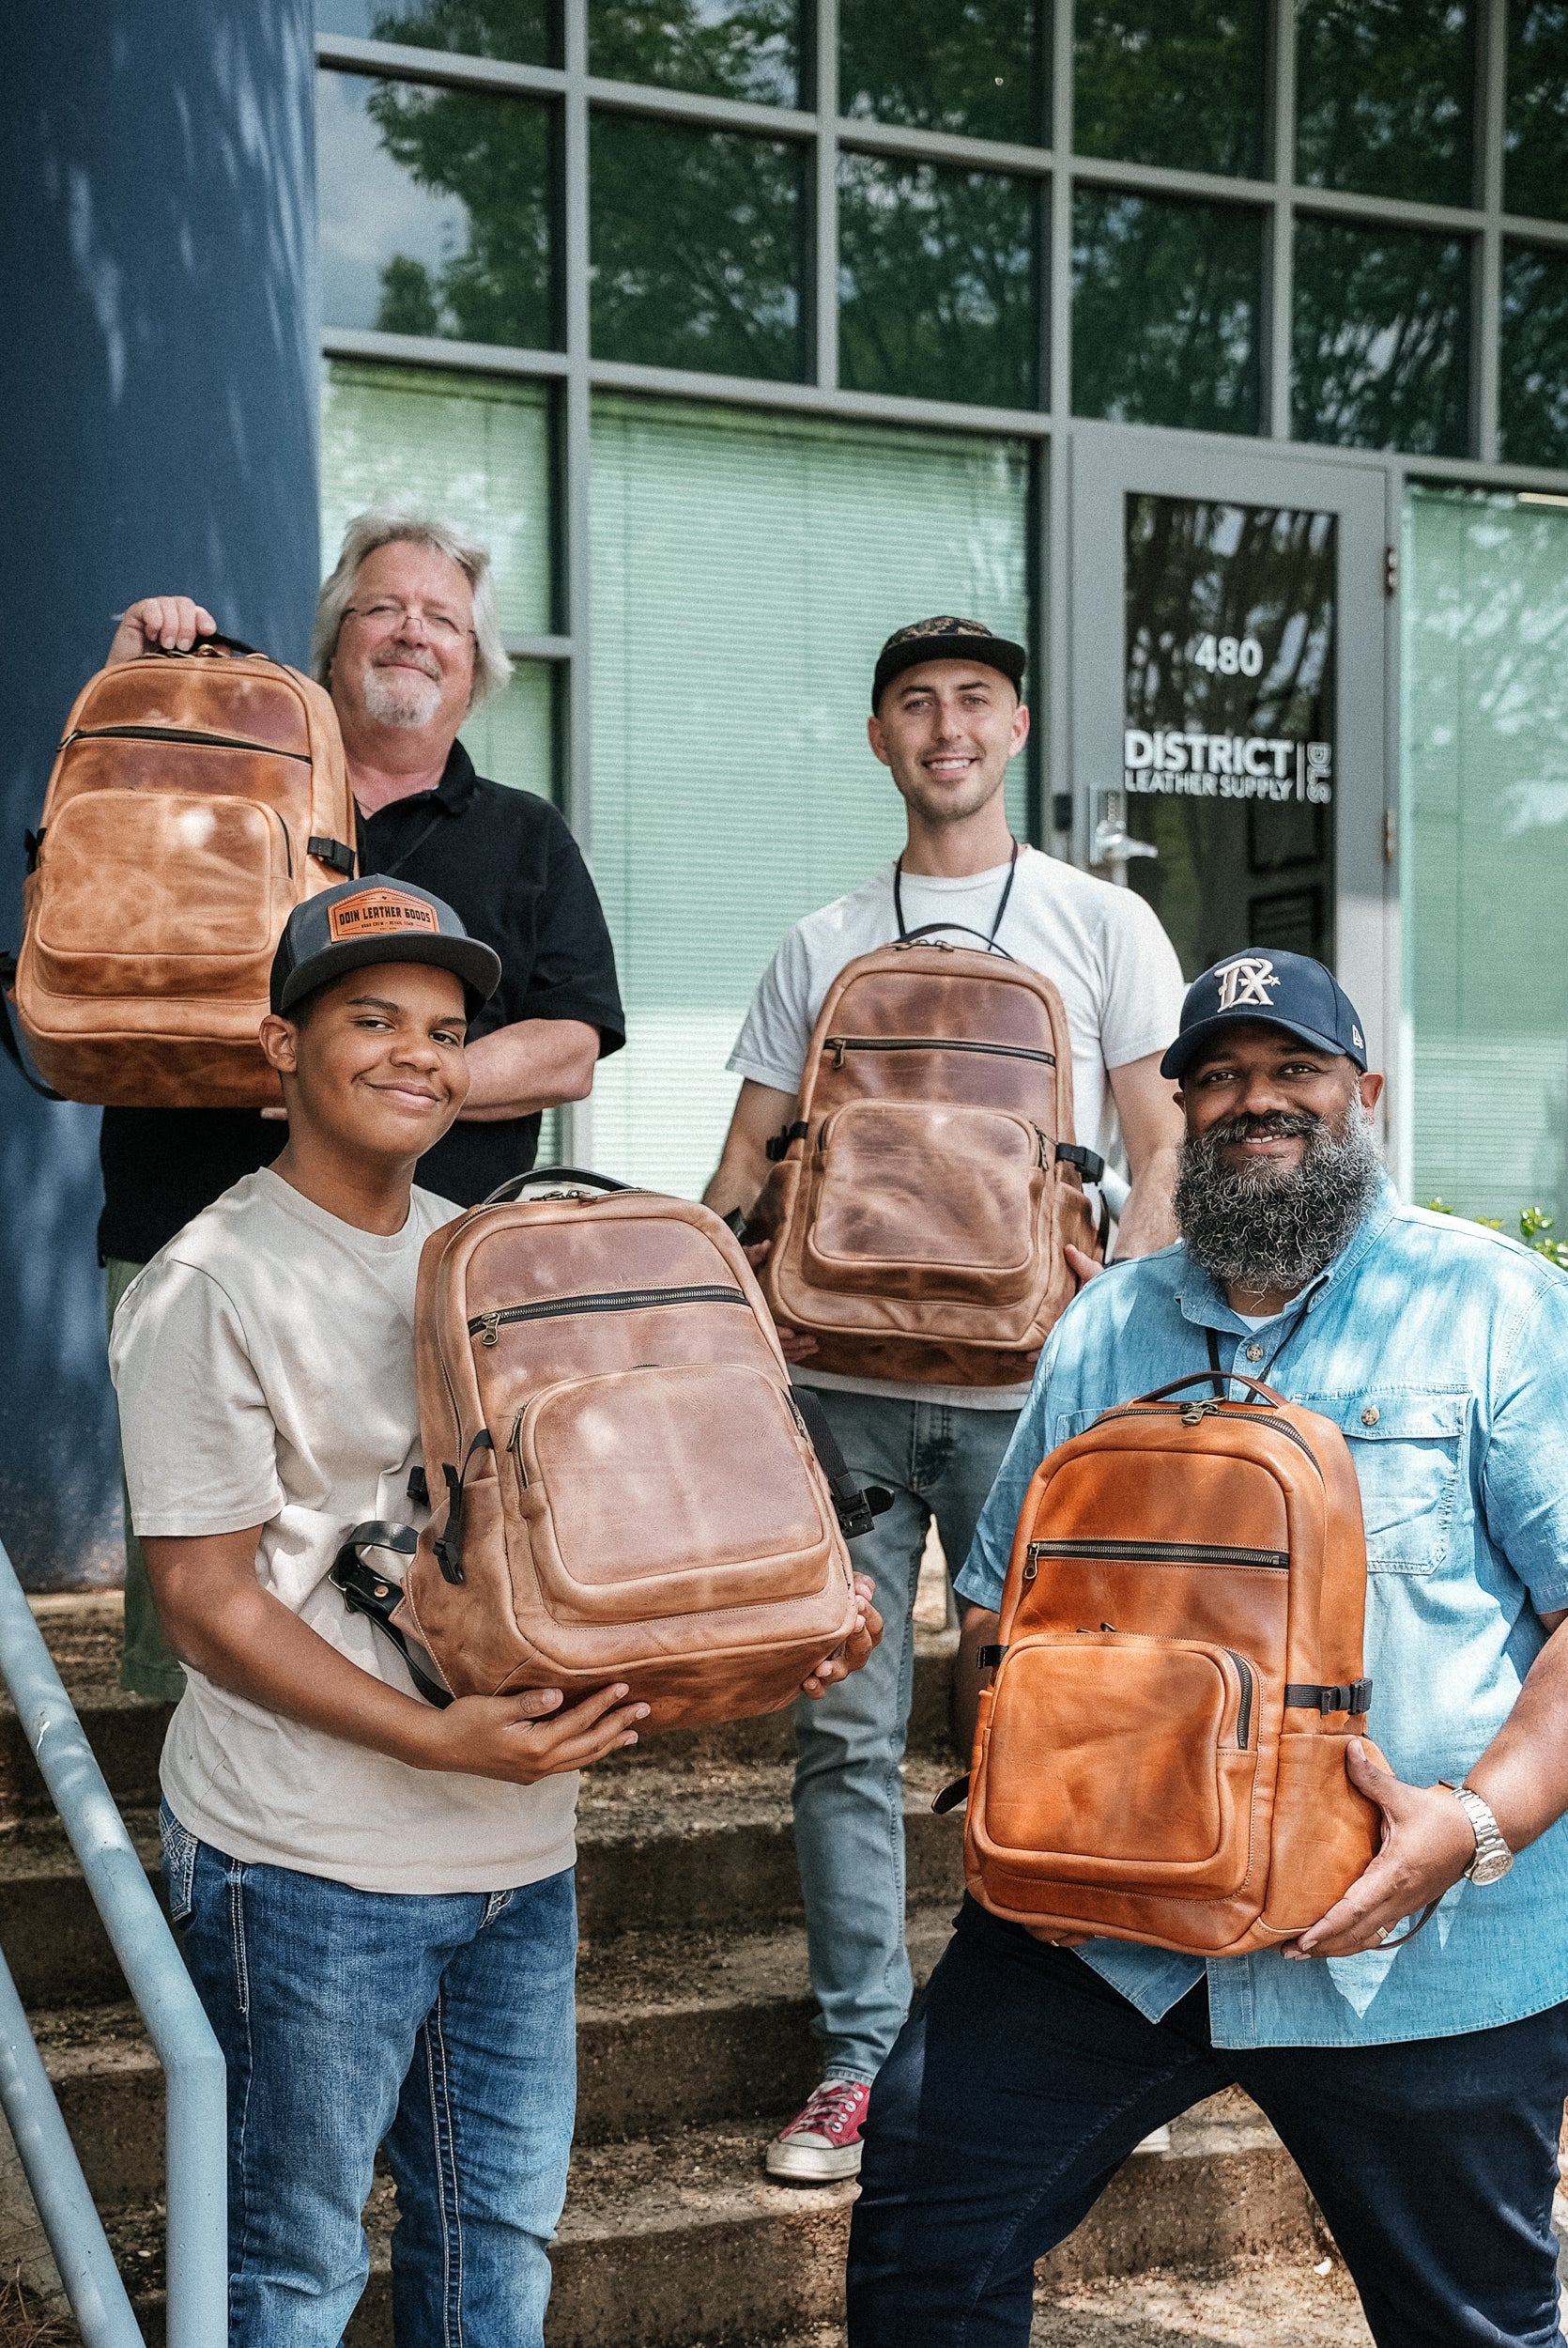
624, 1483
1161, 1755
195, 799
921, 1202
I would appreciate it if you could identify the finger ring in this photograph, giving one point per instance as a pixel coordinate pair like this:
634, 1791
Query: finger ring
1382, 1933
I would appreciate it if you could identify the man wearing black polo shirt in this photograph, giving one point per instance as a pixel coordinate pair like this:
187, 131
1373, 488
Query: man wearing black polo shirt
408, 641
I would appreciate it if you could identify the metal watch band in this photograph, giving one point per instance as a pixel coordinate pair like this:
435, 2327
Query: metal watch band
1493, 1857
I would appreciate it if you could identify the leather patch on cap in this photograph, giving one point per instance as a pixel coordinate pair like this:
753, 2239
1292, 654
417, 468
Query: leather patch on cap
377, 912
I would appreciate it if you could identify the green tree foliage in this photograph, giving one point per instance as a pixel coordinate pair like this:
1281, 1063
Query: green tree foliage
1166, 298
523, 32
974, 67
1381, 338
1172, 82
410, 304
1532, 393
938, 275
1535, 1230
1384, 97
724, 48
1535, 172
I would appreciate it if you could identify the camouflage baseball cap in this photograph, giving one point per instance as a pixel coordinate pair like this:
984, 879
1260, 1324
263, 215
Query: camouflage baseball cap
945, 638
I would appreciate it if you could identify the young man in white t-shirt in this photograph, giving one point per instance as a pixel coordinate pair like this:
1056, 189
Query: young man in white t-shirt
378, 1895
947, 717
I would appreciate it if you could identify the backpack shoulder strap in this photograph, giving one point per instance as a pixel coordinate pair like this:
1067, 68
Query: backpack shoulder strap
10, 1044
374, 1596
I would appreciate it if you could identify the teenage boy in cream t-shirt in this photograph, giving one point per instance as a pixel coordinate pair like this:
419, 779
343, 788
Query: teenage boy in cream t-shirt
378, 1895
947, 717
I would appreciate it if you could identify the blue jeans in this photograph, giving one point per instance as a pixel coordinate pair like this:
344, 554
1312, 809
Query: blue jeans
442, 2026
1022, 2080
849, 1807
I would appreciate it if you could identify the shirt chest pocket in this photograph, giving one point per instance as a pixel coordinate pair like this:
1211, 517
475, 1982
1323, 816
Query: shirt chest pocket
1408, 1450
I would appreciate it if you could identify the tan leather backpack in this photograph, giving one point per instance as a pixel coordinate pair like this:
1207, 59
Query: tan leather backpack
195, 799
922, 1198
1161, 1756
624, 1483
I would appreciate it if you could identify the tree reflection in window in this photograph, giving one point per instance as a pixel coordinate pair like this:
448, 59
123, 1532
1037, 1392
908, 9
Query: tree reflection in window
1533, 400
1172, 82
1380, 339
971, 67
1384, 95
1536, 170
1166, 299
722, 48
524, 32
696, 247
938, 283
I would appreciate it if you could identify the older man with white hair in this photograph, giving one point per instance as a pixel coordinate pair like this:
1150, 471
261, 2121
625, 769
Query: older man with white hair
408, 641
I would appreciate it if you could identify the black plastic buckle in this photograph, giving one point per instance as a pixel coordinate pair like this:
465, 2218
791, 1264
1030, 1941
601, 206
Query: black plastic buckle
1088, 1162
858, 1514
988, 1658
779, 1148
333, 853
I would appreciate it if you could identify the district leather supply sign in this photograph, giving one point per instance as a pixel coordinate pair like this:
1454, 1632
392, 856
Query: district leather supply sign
921, 1201
1161, 1756
624, 1485
196, 798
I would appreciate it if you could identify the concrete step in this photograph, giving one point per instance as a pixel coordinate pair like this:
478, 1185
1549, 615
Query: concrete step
683, 2241
126, 1733
662, 1846
674, 2030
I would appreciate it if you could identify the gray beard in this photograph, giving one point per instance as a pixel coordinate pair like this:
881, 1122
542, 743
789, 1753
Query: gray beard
403, 700
1255, 1229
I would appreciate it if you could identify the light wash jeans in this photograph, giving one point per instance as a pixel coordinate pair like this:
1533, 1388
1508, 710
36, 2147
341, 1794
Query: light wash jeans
849, 1794
443, 2025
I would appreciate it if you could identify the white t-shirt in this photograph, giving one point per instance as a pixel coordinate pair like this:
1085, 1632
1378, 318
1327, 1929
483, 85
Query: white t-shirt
264, 1361
1101, 946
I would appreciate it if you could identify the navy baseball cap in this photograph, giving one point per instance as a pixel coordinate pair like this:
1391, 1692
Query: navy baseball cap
947, 638
377, 920
1289, 991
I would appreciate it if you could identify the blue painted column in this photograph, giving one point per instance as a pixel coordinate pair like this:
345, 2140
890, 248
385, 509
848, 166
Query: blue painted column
158, 432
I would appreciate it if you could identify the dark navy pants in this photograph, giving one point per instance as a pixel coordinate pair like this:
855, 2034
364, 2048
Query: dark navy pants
1021, 2082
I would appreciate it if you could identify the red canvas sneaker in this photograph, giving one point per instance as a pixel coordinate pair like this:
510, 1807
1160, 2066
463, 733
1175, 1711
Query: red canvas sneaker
823, 2143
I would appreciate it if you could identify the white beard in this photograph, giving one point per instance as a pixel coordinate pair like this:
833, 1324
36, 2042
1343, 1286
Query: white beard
400, 697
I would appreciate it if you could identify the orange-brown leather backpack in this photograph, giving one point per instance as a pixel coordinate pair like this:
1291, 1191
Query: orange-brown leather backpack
195, 800
1161, 1756
624, 1483
922, 1200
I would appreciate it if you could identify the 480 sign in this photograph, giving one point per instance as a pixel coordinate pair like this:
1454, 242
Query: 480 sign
1227, 656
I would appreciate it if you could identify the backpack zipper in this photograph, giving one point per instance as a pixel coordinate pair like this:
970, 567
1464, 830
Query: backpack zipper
486, 1327
1244, 1711
179, 734
1259, 1417
1162, 1553
839, 1044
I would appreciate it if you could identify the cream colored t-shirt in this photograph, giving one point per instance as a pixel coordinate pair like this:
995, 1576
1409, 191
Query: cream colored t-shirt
265, 1366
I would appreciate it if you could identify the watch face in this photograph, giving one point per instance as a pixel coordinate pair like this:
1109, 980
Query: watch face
1488, 1869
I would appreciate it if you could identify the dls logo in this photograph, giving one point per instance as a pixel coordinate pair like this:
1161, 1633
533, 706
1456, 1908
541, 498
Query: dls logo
1245, 981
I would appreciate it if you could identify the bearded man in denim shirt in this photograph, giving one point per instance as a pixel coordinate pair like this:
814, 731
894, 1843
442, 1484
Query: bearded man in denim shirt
1420, 2088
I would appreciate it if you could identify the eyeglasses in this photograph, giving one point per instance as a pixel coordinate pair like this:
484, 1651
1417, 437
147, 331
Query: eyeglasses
440, 626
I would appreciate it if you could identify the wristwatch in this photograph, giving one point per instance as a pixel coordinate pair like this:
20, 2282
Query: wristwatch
1493, 1857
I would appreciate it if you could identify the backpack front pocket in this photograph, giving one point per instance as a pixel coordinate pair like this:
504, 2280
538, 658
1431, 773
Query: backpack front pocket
627, 1517
1121, 1761
211, 868
927, 1200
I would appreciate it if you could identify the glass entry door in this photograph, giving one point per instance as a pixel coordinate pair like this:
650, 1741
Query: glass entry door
1228, 723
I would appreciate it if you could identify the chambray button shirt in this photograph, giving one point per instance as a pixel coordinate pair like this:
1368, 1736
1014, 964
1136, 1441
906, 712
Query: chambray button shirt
1441, 1351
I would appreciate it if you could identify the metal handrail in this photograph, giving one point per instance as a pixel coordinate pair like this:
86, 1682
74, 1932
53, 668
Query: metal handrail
195, 2111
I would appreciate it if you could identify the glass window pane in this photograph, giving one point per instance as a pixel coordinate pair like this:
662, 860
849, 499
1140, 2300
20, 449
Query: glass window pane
974, 67
1172, 82
1535, 165
1165, 306
938, 282
725, 48
696, 249
1384, 97
1380, 342
522, 31
473, 451
435, 214
511, 738
734, 790
1484, 733
1532, 392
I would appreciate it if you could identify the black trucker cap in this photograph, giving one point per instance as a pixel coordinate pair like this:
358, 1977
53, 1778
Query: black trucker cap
377, 920
946, 639
1289, 991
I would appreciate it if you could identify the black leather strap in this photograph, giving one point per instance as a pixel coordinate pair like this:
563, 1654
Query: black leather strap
779, 1145
1088, 1162
449, 1547
858, 1506
988, 1658
1353, 1695
10, 1044
951, 1795
335, 854
375, 1596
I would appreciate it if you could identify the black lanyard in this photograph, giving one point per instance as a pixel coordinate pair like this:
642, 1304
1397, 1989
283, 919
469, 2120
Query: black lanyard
412, 849
1223, 1378
907, 938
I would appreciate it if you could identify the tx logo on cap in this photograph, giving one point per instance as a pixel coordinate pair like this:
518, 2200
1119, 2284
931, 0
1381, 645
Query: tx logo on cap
376, 911
1246, 980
